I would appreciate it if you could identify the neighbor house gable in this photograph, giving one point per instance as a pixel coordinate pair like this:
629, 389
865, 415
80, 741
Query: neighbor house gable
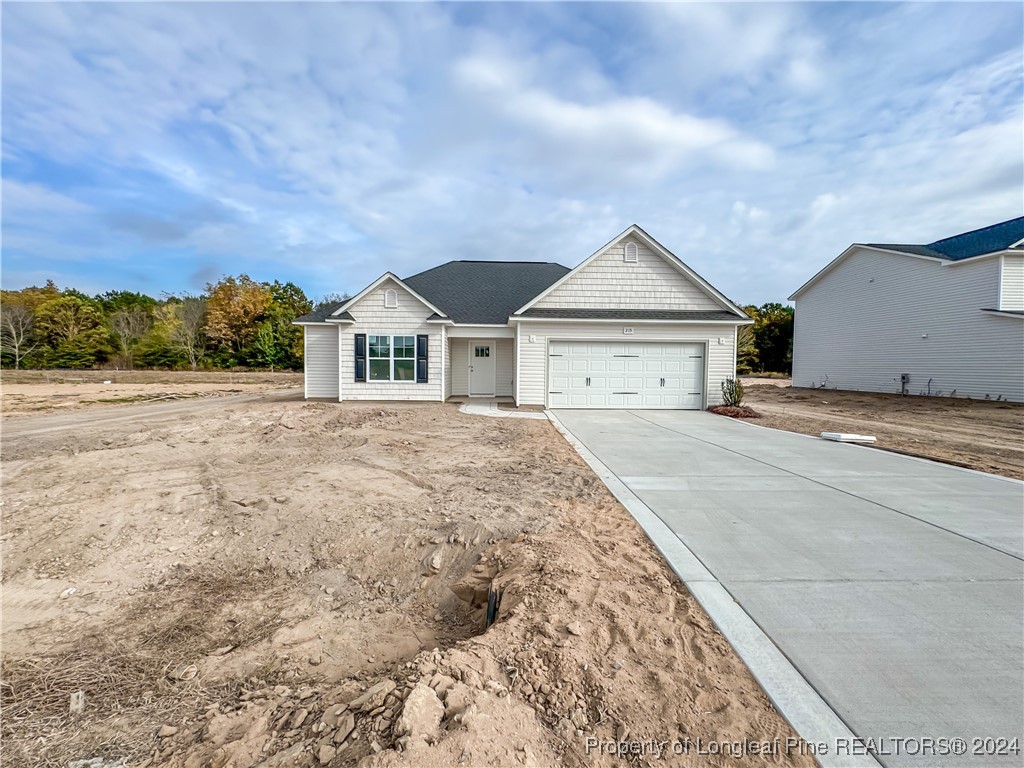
993, 241
648, 277
859, 248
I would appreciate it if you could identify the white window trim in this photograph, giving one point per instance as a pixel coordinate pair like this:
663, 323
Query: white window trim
635, 258
391, 357
391, 299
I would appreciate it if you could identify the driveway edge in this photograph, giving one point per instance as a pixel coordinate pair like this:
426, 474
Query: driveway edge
793, 697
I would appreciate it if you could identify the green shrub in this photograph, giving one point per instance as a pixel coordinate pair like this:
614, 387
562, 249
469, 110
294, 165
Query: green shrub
732, 392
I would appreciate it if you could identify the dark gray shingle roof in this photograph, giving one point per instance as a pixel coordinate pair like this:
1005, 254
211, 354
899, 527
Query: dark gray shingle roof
485, 292
631, 314
997, 237
321, 313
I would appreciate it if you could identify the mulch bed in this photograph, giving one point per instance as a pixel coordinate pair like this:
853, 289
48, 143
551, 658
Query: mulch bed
735, 411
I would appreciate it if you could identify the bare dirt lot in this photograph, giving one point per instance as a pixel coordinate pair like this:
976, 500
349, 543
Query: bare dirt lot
27, 392
265, 581
983, 435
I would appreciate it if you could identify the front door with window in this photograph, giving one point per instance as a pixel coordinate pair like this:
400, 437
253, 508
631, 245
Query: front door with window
481, 368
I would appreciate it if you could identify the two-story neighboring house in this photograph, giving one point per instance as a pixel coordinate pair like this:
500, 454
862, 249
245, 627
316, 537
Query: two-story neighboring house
946, 318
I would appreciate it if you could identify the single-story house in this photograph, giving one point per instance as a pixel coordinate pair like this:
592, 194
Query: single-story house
946, 318
630, 327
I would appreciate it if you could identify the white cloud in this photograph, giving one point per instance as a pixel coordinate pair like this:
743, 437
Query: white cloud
31, 199
627, 136
328, 143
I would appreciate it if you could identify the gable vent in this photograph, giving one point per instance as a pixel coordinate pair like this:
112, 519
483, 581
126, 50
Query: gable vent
630, 253
390, 298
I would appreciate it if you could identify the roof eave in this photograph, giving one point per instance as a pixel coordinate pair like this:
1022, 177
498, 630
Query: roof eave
619, 321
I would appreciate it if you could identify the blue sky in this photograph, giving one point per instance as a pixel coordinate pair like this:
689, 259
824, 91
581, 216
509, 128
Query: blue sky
158, 146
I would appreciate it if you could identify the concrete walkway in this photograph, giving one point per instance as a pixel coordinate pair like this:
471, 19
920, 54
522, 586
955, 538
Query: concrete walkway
490, 408
893, 585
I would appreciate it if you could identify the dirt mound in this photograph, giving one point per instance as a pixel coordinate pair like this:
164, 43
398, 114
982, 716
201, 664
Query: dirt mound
269, 584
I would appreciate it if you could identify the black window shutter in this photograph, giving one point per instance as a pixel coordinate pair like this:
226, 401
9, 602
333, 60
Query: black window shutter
360, 357
421, 359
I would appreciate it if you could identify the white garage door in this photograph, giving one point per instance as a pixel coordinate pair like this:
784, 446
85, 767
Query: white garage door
617, 374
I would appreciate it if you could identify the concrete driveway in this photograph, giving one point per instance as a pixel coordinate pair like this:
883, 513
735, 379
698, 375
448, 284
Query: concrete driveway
892, 584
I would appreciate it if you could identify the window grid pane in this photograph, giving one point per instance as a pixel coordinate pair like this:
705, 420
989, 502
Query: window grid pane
380, 346
405, 370
405, 347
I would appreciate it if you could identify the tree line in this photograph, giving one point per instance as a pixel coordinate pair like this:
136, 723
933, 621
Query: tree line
236, 322
767, 345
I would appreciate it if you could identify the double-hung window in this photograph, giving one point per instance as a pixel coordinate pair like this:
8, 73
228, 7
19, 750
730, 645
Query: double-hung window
392, 358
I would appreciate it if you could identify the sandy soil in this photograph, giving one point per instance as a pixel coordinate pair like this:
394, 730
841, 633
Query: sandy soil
978, 434
24, 392
272, 582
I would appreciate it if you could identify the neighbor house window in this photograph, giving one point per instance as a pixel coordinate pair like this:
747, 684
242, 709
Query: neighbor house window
392, 358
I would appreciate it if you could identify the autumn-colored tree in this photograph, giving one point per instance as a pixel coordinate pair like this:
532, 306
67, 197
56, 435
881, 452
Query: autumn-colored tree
234, 310
746, 349
34, 296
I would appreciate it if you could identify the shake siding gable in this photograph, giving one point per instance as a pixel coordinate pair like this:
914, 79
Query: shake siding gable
720, 360
609, 282
875, 316
321, 355
407, 319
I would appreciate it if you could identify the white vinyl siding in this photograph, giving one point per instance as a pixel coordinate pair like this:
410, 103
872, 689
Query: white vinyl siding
535, 337
1011, 284
321, 360
407, 319
504, 365
610, 282
447, 342
505, 368
875, 316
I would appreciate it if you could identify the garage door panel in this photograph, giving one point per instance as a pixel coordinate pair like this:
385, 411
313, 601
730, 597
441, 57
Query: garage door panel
626, 375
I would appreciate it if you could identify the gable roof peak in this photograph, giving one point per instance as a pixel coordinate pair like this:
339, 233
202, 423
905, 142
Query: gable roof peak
661, 251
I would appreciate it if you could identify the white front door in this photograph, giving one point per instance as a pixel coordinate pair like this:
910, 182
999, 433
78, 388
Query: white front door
481, 368
589, 374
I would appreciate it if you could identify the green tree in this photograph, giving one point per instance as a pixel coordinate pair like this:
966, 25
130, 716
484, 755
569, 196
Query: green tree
288, 301
119, 301
773, 337
73, 329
